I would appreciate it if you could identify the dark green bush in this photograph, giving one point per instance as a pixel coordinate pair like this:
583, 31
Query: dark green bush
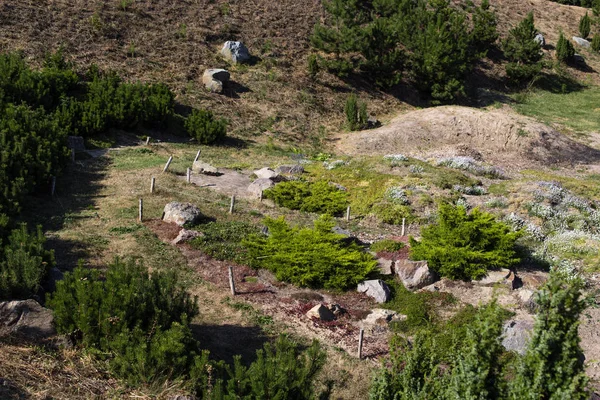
387, 245
24, 263
204, 127
223, 240
585, 25
564, 49
465, 246
313, 65
596, 43
317, 197
308, 257
391, 213
356, 113
522, 51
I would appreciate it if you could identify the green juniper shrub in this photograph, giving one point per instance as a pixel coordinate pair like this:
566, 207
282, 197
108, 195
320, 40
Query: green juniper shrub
393, 214
564, 49
313, 66
585, 25
223, 240
387, 245
356, 113
463, 245
317, 197
522, 51
596, 43
205, 128
24, 262
310, 257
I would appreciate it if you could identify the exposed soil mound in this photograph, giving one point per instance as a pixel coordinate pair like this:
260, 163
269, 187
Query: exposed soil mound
500, 137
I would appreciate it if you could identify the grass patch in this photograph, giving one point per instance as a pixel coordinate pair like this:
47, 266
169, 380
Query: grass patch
223, 240
136, 158
578, 110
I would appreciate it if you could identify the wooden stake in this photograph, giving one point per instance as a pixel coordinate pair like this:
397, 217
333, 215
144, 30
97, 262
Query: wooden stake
147, 140
189, 175
141, 210
152, 184
348, 213
197, 156
261, 196
360, 343
168, 163
403, 225
231, 282
232, 205
53, 186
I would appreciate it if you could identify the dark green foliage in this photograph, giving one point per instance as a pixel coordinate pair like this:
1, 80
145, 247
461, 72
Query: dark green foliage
465, 246
223, 240
585, 25
596, 43
387, 245
522, 51
281, 371
317, 197
564, 49
313, 66
139, 321
307, 257
596, 8
356, 113
390, 213
24, 263
205, 128
428, 38
553, 366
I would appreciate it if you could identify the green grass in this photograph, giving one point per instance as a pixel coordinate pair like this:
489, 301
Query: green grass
578, 110
138, 158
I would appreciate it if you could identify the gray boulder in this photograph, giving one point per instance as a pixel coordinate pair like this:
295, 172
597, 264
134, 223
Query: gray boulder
516, 335
214, 78
375, 288
186, 235
526, 298
539, 39
181, 213
26, 318
582, 42
204, 168
380, 316
415, 274
266, 173
502, 276
386, 267
260, 185
320, 312
235, 52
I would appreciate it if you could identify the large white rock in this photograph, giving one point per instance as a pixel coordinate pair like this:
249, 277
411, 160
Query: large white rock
204, 168
415, 274
375, 288
321, 312
516, 335
582, 42
181, 213
26, 318
214, 78
260, 185
266, 173
235, 52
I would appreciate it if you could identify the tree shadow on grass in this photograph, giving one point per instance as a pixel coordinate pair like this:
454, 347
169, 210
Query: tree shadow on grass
10, 391
226, 341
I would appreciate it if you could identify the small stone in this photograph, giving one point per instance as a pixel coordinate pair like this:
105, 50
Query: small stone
493, 277
320, 312
204, 168
259, 186
26, 318
539, 39
381, 315
266, 173
181, 213
186, 235
235, 52
214, 78
338, 186
375, 288
290, 169
415, 274
386, 267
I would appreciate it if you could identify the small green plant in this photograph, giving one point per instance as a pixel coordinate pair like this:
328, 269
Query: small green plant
125, 4
317, 197
356, 113
464, 246
223, 240
387, 245
182, 32
313, 66
596, 43
204, 127
585, 25
225, 9
310, 257
564, 49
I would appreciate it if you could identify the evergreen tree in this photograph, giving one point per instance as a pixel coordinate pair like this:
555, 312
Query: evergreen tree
596, 43
522, 51
564, 49
585, 25
484, 34
553, 368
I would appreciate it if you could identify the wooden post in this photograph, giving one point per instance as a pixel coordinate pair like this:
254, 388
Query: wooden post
261, 196
168, 163
147, 140
152, 184
360, 343
231, 282
232, 205
141, 212
197, 156
53, 186
189, 175
403, 225
348, 213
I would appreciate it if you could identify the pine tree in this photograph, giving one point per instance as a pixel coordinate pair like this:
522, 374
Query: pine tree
596, 43
522, 51
553, 367
564, 49
585, 24
484, 34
